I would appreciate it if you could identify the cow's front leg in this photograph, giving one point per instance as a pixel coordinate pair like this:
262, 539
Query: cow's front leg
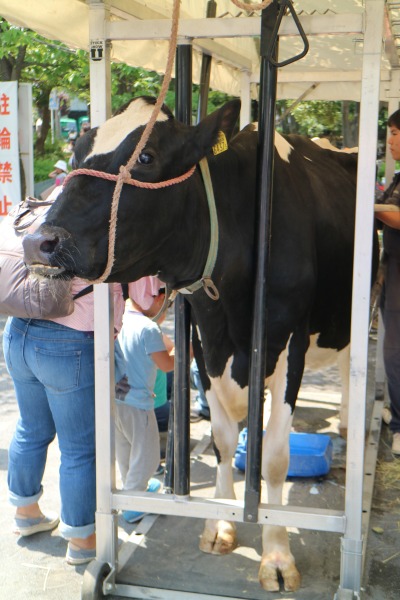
277, 558
219, 537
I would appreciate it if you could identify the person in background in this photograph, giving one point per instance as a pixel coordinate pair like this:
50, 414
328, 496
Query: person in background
51, 363
84, 128
60, 172
390, 296
140, 349
200, 409
162, 404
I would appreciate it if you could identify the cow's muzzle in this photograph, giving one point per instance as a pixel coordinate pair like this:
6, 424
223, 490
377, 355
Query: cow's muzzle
43, 251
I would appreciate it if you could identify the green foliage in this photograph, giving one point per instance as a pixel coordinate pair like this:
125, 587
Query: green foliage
46, 64
128, 82
315, 118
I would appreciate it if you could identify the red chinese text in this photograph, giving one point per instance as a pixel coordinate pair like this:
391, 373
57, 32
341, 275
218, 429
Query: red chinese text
4, 104
4, 206
5, 172
5, 139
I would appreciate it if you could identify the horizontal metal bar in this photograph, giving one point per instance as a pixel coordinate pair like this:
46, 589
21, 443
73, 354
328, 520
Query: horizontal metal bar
147, 593
230, 510
160, 29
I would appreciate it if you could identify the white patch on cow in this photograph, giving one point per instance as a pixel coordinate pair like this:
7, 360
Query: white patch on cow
317, 358
282, 146
230, 395
325, 143
113, 132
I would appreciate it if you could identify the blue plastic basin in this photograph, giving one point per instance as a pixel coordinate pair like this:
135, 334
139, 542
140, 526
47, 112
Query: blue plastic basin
310, 454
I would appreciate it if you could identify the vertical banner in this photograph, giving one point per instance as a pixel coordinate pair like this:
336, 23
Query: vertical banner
10, 185
25, 137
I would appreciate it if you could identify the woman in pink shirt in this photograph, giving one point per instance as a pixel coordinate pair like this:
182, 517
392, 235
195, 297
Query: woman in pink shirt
52, 367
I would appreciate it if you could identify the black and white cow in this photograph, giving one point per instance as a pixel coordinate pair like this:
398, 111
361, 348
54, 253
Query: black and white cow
167, 232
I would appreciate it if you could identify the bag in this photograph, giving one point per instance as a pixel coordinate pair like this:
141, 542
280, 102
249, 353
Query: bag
22, 295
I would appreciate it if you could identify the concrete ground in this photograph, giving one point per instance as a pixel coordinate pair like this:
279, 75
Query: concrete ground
35, 568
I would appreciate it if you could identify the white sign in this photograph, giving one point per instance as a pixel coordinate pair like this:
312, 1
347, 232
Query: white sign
10, 184
54, 102
96, 50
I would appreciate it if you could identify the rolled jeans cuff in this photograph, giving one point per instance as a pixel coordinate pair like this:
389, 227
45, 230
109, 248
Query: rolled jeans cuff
68, 532
19, 501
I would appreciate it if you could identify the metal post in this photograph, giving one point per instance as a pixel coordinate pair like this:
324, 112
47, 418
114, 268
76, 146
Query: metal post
352, 542
106, 517
268, 84
183, 105
205, 70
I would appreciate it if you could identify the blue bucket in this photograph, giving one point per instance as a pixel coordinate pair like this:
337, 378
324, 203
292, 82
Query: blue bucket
310, 454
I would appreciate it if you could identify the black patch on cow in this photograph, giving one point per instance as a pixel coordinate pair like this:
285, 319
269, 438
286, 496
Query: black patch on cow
167, 232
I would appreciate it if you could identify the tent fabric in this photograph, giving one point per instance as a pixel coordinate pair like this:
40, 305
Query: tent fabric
68, 21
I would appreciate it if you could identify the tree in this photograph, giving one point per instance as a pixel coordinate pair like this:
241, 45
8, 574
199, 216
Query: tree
26, 56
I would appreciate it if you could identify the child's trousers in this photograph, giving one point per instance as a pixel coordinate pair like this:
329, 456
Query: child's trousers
137, 445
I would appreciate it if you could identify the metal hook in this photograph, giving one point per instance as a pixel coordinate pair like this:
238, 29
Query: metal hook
269, 55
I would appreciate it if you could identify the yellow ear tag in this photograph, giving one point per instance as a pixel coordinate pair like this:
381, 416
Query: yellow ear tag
221, 144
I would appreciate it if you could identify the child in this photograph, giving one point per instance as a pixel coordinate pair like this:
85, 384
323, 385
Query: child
141, 348
60, 172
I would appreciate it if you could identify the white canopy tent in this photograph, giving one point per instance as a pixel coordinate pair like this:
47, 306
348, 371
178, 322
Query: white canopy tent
353, 55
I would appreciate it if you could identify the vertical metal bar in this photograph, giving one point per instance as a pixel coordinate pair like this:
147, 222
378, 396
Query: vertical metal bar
106, 518
268, 84
352, 542
183, 110
245, 97
205, 70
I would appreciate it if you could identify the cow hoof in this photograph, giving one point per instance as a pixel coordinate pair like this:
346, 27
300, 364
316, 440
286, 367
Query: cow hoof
221, 540
268, 577
291, 578
269, 571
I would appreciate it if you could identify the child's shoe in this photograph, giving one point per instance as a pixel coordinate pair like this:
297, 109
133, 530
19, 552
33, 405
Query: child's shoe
132, 516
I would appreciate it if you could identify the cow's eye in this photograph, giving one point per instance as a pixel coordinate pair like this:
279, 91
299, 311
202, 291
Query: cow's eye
145, 158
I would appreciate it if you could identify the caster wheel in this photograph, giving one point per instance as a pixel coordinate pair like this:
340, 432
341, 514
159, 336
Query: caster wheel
93, 579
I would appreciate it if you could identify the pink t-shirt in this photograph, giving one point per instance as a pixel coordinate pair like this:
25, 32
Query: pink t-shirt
144, 290
83, 316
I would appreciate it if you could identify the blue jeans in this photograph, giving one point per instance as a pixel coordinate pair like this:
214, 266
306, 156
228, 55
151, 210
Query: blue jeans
52, 367
196, 382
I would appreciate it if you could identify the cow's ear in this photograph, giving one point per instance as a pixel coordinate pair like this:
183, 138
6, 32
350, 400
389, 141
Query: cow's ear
206, 133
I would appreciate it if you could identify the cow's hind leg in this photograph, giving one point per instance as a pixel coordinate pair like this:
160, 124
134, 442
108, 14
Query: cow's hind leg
277, 558
219, 537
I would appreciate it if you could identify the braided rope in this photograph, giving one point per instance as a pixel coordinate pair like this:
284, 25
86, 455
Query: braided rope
124, 174
140, 184
252, 5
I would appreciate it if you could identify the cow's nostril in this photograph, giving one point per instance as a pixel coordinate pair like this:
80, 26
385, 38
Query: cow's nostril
48, 246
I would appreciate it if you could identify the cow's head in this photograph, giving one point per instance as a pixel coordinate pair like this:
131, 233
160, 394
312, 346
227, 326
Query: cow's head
74, 238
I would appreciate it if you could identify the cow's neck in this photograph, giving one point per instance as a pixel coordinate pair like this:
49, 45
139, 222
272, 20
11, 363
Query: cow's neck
185, 254
206, 282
